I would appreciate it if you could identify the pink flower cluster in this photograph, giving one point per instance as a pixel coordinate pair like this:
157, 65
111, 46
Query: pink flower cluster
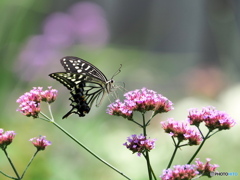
180, 172
6, 138
30, 101
40, 143
213, 118
206, 168
139, 144
182, 131
140, 100
189, 171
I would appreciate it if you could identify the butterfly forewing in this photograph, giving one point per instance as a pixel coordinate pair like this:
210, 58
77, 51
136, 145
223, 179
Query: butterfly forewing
78, 65
69, 80
85, 82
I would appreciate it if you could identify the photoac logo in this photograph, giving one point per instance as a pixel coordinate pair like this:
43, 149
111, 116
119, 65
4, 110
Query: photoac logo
223, 174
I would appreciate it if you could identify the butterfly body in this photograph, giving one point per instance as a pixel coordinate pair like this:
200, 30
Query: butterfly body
85, 82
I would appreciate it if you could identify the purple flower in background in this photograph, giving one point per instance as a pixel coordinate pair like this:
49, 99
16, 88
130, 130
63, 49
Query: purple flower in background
36, 58
85, 24
40, 143
213, 118
6, 138
182, 131
178, 172
139, 144
91, 26
59, 30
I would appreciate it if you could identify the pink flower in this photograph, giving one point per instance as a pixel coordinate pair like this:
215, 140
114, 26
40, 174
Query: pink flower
140, 100
207, 168
29, 103
148, 100
32, 95
120, 109
6, 138
178, 172
213, 118
139, 144
49, 95
30, 108
182, 131
40, 143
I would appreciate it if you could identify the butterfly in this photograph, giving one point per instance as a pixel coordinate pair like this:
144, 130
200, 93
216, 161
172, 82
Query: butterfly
85, 82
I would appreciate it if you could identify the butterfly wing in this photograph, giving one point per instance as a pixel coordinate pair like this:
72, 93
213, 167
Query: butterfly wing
69, 80
84, 90
77, 65
78, 103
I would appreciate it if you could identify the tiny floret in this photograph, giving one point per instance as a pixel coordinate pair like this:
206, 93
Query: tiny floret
40, 143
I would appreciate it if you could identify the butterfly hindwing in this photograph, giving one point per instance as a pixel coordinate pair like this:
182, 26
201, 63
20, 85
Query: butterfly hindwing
78, 103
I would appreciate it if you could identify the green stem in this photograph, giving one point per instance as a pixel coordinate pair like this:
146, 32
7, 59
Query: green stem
147, 155
7, 175
136, 123
78, 142
144, 125
212, 134
155, 178
50, 110
199, 148
150, 167
10, 161
200, 131
174, 153
175, 144
46, 118
88, 150
29, 163
153, 114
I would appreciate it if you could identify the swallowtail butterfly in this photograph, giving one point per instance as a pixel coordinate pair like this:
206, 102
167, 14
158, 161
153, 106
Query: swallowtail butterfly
85, 82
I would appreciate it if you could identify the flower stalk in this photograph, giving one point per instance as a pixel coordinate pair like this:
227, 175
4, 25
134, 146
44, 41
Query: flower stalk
87, 149
29, 163
199, 148
11, 163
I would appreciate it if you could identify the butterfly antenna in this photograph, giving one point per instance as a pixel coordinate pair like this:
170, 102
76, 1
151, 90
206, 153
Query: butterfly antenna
117, 72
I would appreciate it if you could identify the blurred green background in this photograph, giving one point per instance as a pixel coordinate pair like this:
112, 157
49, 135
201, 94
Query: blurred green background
186, 50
